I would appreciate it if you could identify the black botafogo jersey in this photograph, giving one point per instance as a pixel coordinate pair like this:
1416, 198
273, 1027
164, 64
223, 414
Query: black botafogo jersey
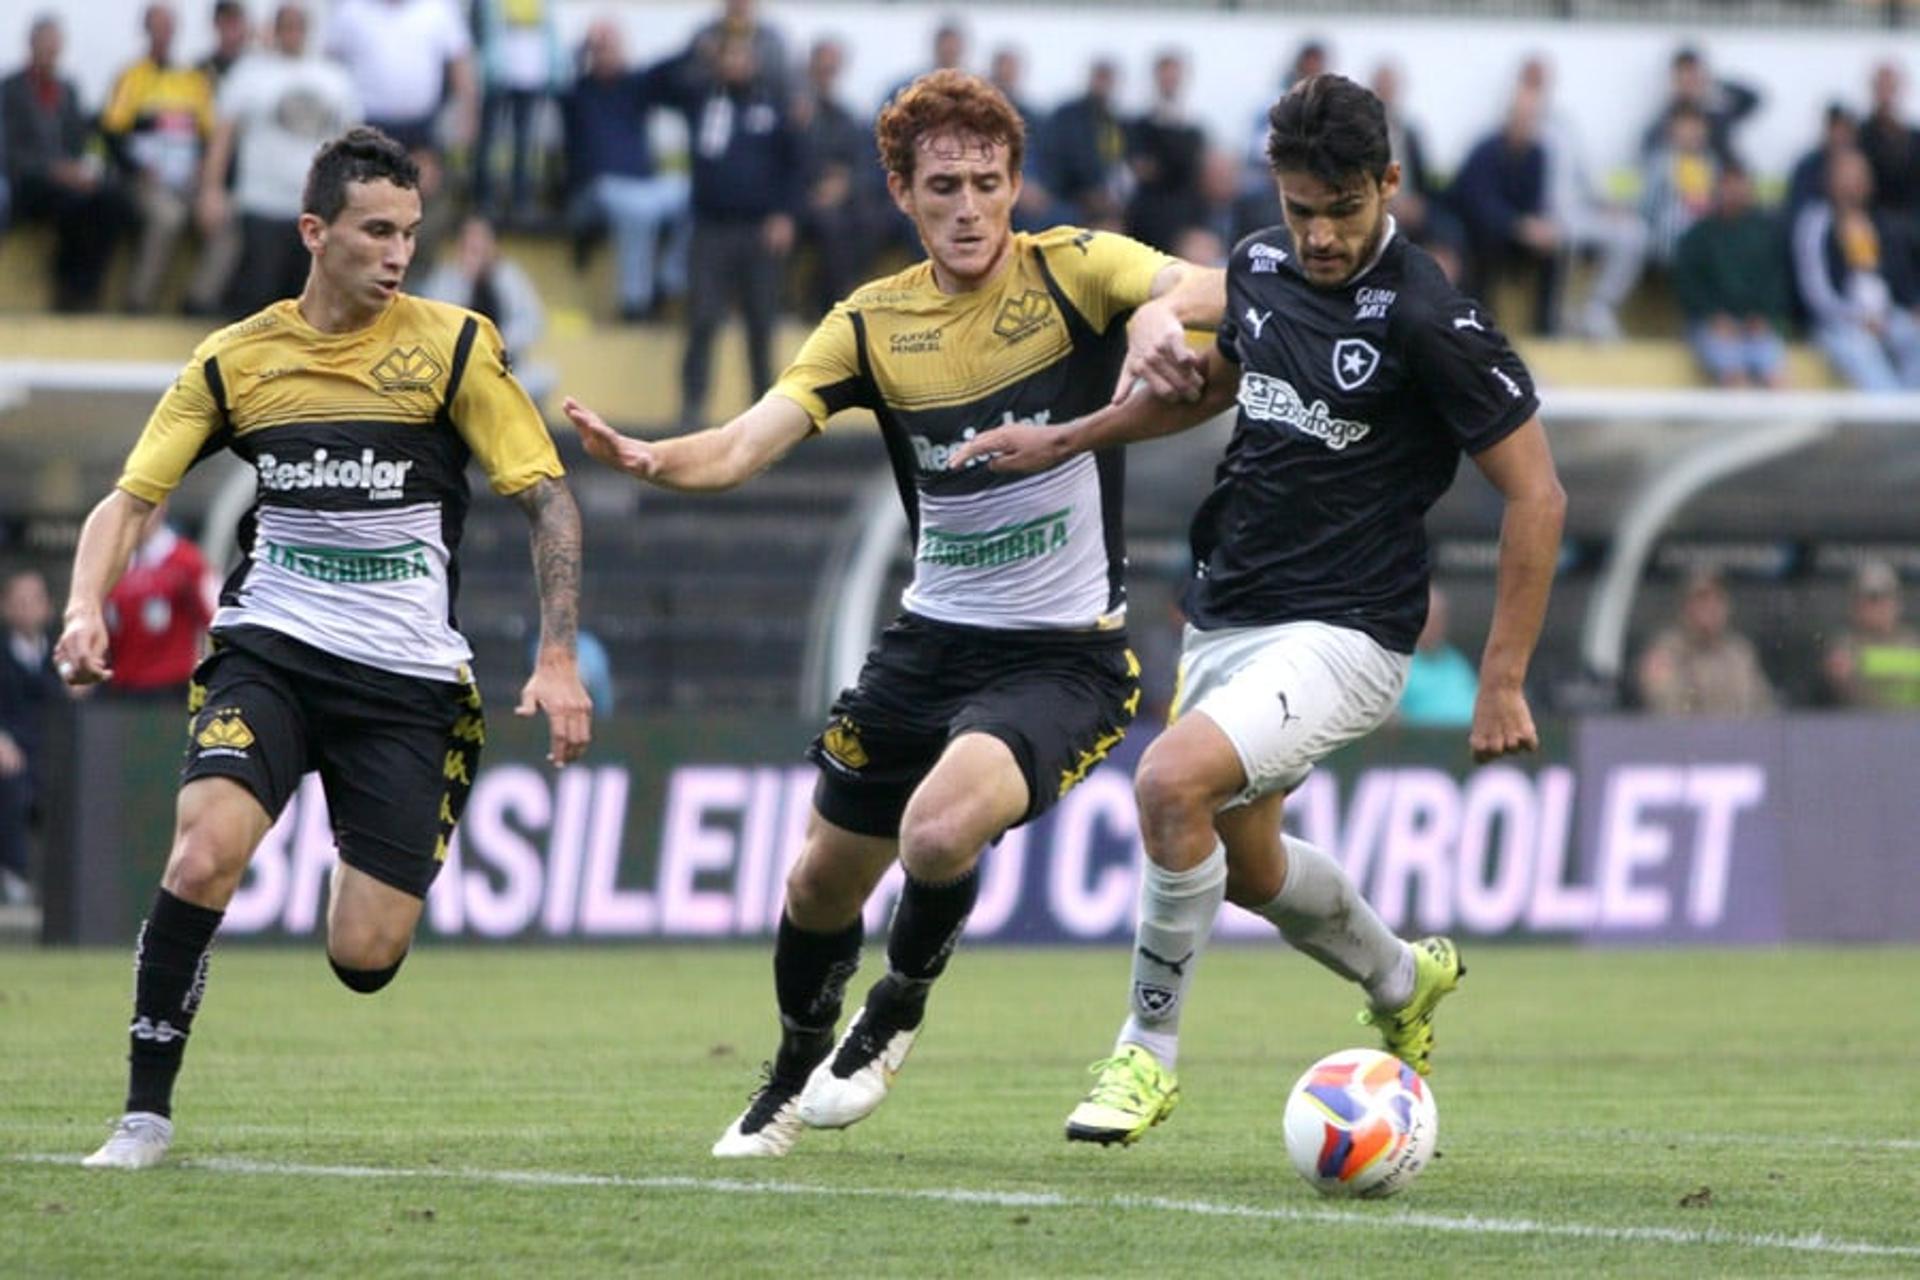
1355, 406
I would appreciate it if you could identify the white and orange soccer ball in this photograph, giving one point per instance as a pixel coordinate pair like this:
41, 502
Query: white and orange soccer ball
1361, 1123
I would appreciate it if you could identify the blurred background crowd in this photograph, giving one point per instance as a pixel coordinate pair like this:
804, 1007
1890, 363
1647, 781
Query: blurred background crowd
733, 175
765, 177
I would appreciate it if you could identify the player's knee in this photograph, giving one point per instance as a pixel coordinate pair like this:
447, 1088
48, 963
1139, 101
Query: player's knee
217, 826
365, 980
822, 897
937, 847
199, 871
1168, 791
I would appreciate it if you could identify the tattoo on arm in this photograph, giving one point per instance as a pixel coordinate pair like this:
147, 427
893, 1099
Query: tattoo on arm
556, 558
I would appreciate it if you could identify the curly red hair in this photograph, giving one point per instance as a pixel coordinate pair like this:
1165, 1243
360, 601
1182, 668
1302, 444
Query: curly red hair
943, 100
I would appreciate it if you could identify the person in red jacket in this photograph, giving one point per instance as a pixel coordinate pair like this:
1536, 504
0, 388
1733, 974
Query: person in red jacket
158, 613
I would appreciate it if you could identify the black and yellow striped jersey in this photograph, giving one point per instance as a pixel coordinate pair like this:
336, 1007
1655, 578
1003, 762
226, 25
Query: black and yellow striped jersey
359, 442
1043, 342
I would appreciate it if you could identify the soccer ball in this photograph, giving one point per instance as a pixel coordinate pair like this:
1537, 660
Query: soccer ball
1361, 1123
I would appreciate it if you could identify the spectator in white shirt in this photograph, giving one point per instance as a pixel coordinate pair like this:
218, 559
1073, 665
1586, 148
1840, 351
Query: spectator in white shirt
406, 58
275, 108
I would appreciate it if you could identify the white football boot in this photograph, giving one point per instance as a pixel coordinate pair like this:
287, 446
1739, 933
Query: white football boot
849, 1086
770, 1124
139, 1141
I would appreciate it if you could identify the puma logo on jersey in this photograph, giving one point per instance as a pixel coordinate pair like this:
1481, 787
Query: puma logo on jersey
1471, 320
1257, 320
379, 480
1286, 710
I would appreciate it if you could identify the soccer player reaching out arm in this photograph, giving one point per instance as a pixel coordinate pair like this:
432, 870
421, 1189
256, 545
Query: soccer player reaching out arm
1520, 467
703, 461
1006, 677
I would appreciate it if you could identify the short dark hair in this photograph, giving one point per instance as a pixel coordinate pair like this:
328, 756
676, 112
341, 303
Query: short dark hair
1330, 127
228, 9
361, 154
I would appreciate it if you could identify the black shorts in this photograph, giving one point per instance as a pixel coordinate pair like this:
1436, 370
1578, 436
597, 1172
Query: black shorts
396, 754
1059, 700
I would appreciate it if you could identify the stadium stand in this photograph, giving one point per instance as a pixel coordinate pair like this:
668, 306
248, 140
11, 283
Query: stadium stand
706, 603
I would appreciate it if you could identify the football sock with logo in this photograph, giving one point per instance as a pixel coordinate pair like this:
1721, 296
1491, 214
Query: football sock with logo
927, 923
1176, 915
1320, 912
170, 968
810, 975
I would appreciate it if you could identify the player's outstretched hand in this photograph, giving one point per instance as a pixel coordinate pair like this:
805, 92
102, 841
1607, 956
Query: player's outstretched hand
555, 688
623, 453
1158, 354
80, 655
1502, 725
1019, 447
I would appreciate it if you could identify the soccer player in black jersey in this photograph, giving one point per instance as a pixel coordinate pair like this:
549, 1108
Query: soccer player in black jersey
1361, 377
335, 648
1007, 676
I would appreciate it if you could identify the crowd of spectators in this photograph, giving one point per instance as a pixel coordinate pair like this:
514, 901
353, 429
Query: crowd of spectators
1700, 663
777, 194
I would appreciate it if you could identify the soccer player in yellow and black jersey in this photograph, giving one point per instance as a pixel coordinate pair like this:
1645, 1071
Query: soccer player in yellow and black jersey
1007, 675
335, 645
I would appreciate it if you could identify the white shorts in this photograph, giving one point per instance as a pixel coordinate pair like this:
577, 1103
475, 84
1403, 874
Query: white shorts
1287, 696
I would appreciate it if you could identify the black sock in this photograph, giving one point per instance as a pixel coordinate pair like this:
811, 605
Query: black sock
170, 967
810, 975
365, 981
927, 924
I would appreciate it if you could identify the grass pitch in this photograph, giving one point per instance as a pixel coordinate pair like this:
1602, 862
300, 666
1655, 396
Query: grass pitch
549, 1111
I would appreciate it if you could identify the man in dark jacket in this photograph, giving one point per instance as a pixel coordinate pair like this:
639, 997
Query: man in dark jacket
1086, 150
839, 216
1892, 148
54, 178
1167, 151
1501, 195
613, 178
1419, 210
28, 687
1807, 182
746, 166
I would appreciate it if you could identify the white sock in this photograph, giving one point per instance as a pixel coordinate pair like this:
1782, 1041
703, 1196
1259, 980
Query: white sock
1176, 915
1320, 912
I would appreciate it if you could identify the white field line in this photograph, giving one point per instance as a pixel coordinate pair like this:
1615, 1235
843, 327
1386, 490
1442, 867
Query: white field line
1621, 1137
1466, 1224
